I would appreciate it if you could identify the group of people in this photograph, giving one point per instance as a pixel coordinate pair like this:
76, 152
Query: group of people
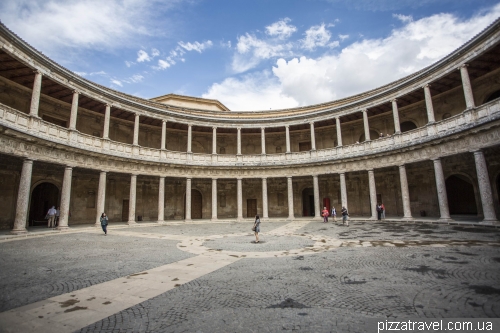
345, 215
380, 211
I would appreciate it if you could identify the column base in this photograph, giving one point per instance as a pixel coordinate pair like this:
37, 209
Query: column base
490, 222
290, 218
19, 231
161, 222
188, 220
62, 228
318, 218
445, 219
374, 218
407, 218
131, 222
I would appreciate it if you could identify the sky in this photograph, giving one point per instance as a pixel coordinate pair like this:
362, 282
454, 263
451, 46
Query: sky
248, 54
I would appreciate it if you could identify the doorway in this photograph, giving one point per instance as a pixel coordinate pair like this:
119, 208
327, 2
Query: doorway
125, 208
461, 198
196, 205
308, 202
251, 207
43, 197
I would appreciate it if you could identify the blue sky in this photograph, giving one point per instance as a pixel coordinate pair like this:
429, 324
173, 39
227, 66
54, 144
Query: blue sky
248, 54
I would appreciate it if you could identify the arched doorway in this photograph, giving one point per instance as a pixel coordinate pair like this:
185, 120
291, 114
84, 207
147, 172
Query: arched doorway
44, 196
407, 126
196, 205
492, 96
461, 198
308, 202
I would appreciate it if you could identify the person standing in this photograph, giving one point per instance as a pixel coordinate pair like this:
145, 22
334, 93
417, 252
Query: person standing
256, 228
104, 223
383, 211
325, 214
345, 216
379, 212
334, 214
52, 217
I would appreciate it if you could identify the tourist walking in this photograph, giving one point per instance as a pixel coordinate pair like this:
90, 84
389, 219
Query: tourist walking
104, 223
334, 214
345, 216
383, 211
51, 213
379, 212
325, 214
256, 228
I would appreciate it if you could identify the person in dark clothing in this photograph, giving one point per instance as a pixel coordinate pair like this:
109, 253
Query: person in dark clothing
104, 223
345, 216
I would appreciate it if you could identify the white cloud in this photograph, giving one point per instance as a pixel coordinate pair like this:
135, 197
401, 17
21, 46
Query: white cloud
403, 18
142, 56
252, 50
358, 67
58, 25
129, 63
116, 82
155, 53
162, 64
81, 73
136, 78
281, 29
196, 46
317, 36
343, 37
256, 91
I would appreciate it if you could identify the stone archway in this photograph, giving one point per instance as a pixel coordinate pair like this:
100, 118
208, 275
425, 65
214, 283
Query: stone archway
373, 135
308, 202
407, 126
461, 197
43, 196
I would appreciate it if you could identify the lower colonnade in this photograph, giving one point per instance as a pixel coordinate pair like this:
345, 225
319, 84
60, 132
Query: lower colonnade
484, 189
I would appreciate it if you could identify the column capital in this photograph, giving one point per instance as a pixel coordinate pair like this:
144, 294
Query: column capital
137, 114
436, 159
238, 128
109, 105
287, 126
134, 174
363, 110
370, 170
402, 165
214, 127
341, 173
190, 125
75, 91
163, 121
263, 178
262, 128
215, 178
337, 117
289, 177
427, 85
188, 178
69, 167
102, 171
37, 71
239, 178
462, 66
311, 122
477, 152
394, 100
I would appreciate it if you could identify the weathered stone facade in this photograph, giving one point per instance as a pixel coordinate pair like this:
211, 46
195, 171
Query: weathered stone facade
426, 145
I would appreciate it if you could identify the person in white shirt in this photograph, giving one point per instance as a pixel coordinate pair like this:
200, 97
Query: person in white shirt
52, 216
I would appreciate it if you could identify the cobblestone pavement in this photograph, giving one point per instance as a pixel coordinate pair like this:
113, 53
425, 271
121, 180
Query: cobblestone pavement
381, 270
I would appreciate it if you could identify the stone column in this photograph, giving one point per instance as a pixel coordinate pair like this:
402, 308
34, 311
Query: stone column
265, 212
35, 95
190, 138
132, 200
65, 199
214, 199
469, 96
428, 104
405, 193
313, 137
287, 130
136, 130
343, 190
107, 116
101, 198
373, 193
395, 114
339, 132
161, 200
485, 188
239, 196
441, 190
291, 215
163, 134
367, 126
214, 140
74, 113
263, 140
188, 199
23, 197
317, 208
238, 152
